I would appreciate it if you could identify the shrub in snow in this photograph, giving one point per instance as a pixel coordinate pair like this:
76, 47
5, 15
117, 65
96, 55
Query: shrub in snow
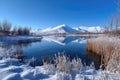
76, 64
2, 51
32, 62
49, 68
63, 63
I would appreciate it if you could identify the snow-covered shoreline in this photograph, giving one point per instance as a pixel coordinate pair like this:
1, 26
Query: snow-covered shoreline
11, 69
19, 39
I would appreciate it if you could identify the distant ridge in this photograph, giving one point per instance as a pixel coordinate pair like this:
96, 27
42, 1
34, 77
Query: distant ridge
70, 30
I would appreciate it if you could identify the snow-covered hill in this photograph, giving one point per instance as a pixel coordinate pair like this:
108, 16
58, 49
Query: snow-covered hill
89, 29
70, 30
59, 29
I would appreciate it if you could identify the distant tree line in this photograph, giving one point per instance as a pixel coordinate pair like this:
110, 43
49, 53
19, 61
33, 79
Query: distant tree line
7, 29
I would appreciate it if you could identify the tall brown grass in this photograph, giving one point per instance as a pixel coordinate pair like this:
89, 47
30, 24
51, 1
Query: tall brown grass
108, 48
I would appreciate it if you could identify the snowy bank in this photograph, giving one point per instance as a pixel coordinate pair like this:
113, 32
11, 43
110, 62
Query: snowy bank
11, 69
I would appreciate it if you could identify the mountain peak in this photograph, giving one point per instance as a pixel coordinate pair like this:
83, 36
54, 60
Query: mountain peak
61, 26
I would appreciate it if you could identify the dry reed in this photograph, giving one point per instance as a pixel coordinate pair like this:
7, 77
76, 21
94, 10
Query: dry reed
109, 48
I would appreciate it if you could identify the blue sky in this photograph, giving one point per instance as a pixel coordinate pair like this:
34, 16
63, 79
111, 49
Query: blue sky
46, 13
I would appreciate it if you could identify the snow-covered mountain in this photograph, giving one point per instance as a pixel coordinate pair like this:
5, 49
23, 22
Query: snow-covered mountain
89, 29
70, 30
60, 29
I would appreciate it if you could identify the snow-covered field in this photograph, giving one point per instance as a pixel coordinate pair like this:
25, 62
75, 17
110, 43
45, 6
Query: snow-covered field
11, 69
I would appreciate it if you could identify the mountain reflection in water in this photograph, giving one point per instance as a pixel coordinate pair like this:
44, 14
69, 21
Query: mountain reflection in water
49, 46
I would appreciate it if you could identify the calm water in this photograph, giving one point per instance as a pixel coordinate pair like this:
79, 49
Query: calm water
49, 46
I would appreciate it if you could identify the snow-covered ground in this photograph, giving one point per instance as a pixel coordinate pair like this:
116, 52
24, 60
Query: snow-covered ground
11, 69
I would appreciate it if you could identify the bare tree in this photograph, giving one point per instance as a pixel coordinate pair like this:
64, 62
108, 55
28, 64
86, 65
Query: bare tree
26, 31
6, 26
23, 31
117, 22
106, 29
14, 31
20, 31
0, 26
111, 24
118, 17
